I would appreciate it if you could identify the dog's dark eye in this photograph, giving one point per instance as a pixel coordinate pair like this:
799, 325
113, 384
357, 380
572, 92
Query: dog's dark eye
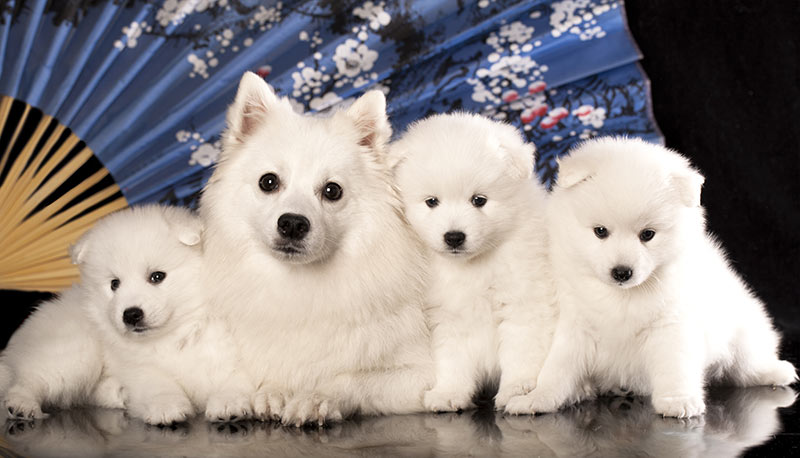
332, 191
647, 235
157, 277
432, 202
268, 182
114, 284
601, 232
478, 200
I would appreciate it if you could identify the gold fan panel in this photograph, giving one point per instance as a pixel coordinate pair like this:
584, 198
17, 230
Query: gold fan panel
52, 189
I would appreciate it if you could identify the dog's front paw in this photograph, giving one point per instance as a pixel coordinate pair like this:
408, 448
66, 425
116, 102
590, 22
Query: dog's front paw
537, 401
268, 405
228, 407
21, 405
447, 401
782, 373
512, 389
311, 408
164, 409
679, 406
109, 393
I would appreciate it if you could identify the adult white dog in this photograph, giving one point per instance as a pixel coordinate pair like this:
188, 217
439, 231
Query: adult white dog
312, 263
467, 187
648, 300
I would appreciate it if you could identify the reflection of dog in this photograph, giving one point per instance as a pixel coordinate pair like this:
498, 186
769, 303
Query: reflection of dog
736, 419
467, 190
648, 300
137, 319
311, 261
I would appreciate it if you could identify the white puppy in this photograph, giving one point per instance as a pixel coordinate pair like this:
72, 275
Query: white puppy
135, 333
312, 263
468, 192
54, 360
648, 300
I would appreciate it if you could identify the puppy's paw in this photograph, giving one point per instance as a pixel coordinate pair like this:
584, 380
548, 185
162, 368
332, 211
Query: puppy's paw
782, 373
512, 389
109, 393
679, 405
229, 407
22, 405
165, 409
311, 408
437, 400
268, 405
537, 401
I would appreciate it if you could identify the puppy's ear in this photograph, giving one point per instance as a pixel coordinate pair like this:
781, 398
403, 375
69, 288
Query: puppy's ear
188, 230
518, 153
396, 153
369, 115
254, 99
77, 251
689, 185
572, 171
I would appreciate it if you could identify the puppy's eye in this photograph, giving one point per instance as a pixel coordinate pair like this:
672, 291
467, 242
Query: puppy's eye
157, 277
114, 284
332, 191
432, 202
647, 235
269, 182
601, 232
478, 200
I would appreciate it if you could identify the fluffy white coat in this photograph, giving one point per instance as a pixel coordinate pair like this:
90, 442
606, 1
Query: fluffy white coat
328, 317
648, 300
491, 301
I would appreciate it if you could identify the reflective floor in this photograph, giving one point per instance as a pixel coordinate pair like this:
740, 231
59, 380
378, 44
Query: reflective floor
736, 420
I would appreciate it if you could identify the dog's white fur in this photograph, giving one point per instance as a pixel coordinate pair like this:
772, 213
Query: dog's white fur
54, 361
174, 361
333, 323
491, 302
683, 318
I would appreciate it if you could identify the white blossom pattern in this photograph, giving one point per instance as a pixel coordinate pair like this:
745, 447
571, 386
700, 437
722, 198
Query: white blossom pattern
374, 13
353, 57
578, 17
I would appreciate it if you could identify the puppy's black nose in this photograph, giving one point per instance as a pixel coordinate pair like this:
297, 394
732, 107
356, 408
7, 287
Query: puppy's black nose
454, 239
293, 227
132, 316
621, 273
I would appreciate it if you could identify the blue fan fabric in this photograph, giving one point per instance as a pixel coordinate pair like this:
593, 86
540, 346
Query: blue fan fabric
146, 84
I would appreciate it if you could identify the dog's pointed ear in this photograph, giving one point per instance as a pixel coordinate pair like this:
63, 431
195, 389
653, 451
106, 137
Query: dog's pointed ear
189, 230
689, 185
254, 99
369, 115
572, 170
518, 152
77, 251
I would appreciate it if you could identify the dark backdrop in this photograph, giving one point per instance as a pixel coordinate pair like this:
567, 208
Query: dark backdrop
725, 93
725, 88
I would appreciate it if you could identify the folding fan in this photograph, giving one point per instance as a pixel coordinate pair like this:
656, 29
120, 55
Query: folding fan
108, 104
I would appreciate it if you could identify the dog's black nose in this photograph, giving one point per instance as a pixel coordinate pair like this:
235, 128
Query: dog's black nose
132, 316
621, 273
293, 227
454, 239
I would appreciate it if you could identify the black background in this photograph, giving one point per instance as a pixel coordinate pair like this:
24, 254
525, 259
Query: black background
725, 89
726, 93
